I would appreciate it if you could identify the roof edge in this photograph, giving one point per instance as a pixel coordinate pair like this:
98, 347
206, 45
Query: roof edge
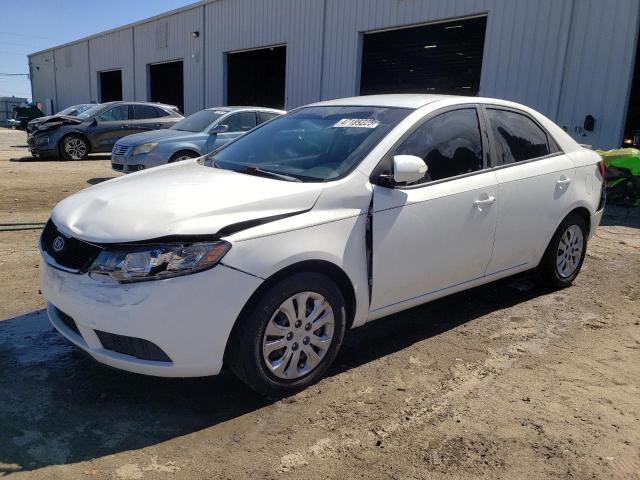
176, 11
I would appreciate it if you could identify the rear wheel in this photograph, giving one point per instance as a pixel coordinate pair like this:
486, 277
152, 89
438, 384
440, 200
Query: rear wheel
74, 147
565, 254
291, 336
184, 155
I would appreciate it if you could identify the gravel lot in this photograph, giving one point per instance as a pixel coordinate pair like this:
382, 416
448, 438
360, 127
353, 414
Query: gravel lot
506, 381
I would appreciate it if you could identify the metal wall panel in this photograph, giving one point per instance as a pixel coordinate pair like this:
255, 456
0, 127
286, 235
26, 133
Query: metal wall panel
246, 24
523, 51
112, 51
599, 70
43, 81
180, 45
72, 74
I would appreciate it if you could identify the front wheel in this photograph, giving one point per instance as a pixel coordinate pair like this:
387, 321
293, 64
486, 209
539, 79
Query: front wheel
291, 336
565, 254
180, 156
74, 147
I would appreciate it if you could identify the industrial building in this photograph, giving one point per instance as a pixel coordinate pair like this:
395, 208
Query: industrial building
7, 104
569, 59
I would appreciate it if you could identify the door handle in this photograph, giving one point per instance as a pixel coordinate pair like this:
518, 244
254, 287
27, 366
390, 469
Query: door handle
481, 202
563, 181
124, 126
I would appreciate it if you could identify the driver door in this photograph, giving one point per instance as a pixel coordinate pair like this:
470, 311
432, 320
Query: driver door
432, 238
111, 126
238, 123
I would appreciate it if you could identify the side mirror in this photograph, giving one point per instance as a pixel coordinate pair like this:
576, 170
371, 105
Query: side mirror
589, 123
408, 169
219, 129
94, 122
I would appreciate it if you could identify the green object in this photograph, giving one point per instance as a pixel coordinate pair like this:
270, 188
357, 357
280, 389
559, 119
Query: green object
628, 158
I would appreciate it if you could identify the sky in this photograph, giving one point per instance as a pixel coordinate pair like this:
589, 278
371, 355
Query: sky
27, 26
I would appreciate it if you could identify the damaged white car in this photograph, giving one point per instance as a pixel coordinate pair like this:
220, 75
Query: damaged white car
262, 254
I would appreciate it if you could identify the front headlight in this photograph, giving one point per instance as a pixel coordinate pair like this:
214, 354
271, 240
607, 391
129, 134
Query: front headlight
145, 148
42, 140
155, 262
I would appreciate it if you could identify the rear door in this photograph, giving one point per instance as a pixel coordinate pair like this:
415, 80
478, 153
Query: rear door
111, 125
535, 180
433, 237
147, 117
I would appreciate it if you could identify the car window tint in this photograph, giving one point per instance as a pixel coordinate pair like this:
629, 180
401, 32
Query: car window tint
450, 144
264, 116
241, 122
141, 112
161, 113
121, 112
517, 137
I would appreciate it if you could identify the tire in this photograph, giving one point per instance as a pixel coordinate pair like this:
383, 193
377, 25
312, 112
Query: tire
74, 147
272, 372
182, 155
561, 272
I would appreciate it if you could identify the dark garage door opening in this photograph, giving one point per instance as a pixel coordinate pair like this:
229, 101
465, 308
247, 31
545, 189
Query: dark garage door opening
443, 58
166, 84
110, 85
257, 77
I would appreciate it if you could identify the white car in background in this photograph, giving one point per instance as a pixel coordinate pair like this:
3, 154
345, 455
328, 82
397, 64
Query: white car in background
262, 254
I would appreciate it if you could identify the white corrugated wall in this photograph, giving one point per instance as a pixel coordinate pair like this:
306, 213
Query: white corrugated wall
72, 74
245, 24
108, 52
566, 58
167, 39
43, 82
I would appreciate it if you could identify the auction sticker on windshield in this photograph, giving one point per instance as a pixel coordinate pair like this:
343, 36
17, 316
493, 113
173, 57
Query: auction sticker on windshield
357, 123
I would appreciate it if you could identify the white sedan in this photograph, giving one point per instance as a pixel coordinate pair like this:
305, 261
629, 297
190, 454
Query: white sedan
262, 254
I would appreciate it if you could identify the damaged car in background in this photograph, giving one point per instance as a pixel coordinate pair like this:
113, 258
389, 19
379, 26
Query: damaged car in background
72, 111
97, 129
260, 255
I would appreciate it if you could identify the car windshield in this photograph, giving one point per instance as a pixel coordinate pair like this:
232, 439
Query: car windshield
91, 112
313, 144
198, 121
74, 110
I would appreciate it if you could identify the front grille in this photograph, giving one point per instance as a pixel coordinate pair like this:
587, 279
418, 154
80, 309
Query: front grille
117, 166
68, 321
69, 252
120, 149
135, 347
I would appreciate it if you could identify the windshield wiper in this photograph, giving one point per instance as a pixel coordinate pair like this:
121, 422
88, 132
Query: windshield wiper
268, 173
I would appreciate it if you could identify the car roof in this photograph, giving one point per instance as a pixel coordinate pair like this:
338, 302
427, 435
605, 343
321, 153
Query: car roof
233, 108
132, 102
401, 100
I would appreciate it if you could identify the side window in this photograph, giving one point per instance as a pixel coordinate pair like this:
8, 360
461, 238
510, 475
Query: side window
241, 122
264, 116
118, 113
161, 112
516, 136
450, 144
142, 112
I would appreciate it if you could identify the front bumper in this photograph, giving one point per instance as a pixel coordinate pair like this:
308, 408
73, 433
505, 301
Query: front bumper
40, 148
187, 318
128, 163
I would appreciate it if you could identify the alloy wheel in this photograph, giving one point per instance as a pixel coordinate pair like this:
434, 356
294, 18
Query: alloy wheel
75, 148
298, 335
569, 251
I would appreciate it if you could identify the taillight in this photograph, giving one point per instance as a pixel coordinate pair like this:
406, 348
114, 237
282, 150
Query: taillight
601, 168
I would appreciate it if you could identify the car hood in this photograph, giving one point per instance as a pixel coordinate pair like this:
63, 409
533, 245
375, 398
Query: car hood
56, 121
156, 136
179, 199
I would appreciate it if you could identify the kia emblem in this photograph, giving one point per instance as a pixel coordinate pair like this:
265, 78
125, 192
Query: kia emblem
58, 244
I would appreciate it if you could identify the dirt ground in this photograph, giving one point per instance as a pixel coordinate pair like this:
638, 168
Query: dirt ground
507, 381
